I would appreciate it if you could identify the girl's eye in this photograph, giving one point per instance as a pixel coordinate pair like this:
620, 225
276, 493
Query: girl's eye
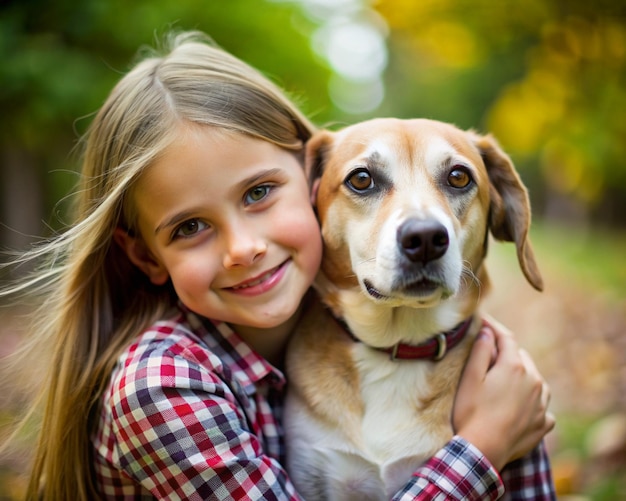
459, 177
360, 180
257, 193
190, 228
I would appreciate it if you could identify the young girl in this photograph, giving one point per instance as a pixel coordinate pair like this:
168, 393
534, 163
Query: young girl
169, 302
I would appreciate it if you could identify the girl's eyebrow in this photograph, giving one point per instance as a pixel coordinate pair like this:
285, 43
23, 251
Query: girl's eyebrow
174, 220
256, 177
242, 185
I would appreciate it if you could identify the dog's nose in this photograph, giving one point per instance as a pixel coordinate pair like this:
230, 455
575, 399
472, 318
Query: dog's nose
422, 240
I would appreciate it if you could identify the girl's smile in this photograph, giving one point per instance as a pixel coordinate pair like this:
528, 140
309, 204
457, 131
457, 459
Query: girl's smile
261, 284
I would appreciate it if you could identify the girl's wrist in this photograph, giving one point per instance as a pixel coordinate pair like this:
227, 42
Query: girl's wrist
489, 444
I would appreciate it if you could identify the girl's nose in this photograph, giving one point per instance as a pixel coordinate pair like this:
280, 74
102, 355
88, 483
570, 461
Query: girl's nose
243, 247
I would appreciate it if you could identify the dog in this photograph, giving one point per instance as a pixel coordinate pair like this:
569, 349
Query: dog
405, 209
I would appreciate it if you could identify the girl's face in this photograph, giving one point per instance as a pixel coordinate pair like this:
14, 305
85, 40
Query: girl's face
228, 219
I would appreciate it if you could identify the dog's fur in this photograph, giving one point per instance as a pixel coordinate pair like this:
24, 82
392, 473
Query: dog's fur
357, 422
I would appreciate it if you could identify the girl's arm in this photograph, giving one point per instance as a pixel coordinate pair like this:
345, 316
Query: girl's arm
500, 415
502, 400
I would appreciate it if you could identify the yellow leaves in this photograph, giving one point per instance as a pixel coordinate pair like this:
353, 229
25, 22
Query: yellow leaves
615, 36
520, 117
568, 170
538, 116
404, 14
527, 111
561, 110
577, 40
435, 33
450, 44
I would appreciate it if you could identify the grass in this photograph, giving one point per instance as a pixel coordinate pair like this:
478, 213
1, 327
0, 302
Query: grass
585, 273
591, 257
597, 482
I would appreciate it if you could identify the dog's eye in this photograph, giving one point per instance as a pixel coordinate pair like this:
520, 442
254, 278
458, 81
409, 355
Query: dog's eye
459, 177
360, 180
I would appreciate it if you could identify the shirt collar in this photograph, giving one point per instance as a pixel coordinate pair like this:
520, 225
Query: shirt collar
246, 365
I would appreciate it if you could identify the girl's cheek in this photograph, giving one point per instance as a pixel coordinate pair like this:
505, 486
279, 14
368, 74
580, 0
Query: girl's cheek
193, 271
305, 231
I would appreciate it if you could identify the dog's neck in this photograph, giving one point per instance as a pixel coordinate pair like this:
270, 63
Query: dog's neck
434, 348
380, 325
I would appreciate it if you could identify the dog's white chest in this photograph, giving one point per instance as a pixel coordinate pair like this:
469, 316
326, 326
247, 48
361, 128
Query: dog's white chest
393, 437
396, 435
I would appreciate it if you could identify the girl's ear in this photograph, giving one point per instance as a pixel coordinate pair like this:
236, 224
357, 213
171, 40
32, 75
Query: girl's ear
139, 254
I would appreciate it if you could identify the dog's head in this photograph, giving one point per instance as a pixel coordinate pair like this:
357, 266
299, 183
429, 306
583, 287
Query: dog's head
405, 207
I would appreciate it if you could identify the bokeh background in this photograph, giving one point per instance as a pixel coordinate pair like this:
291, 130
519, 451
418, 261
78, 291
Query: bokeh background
546, 77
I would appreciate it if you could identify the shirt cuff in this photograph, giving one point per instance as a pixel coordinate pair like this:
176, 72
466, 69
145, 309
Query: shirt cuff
460, 471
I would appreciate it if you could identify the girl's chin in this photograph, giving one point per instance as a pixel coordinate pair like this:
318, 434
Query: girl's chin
251, 316
287, 317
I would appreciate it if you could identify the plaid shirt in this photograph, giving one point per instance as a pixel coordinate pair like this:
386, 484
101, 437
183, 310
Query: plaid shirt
191, 412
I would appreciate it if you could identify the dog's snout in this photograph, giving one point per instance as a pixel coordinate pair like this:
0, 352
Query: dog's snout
423, 240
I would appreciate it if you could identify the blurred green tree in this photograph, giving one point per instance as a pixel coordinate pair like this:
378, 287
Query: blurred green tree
61, 58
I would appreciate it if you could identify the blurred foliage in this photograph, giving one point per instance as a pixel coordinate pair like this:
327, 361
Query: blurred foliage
593, 259
547, 77
60, 59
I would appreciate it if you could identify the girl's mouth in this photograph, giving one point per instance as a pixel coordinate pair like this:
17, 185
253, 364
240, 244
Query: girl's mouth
260, 284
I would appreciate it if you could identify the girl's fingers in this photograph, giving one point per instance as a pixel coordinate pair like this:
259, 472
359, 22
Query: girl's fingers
529, 364
482, 354
497, 326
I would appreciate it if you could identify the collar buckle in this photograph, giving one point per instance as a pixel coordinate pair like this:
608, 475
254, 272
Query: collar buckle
394, 352
442, 347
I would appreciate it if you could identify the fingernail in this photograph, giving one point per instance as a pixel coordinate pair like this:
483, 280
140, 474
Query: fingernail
486, 332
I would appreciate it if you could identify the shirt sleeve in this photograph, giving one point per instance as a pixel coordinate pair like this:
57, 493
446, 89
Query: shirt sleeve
182, 434
530, 477
459, 471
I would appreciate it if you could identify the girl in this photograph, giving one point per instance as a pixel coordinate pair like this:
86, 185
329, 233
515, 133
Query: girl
170, 300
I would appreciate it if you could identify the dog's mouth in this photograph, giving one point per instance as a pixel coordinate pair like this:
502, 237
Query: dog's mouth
420, 288
423, 287
373, 291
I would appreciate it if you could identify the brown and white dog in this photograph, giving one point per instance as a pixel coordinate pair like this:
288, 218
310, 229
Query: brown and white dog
405, 208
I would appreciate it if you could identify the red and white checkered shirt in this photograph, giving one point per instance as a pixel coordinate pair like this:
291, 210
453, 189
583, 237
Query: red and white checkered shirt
191, 412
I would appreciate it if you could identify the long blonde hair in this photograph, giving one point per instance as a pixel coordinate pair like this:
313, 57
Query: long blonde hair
94, 300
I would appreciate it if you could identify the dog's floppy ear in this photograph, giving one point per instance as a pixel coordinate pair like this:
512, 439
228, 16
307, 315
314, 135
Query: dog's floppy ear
315, 158
509, 217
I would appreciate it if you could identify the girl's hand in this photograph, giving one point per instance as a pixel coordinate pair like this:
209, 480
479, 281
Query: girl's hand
502, 400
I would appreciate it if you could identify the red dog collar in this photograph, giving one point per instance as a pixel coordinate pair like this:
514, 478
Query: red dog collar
433, 349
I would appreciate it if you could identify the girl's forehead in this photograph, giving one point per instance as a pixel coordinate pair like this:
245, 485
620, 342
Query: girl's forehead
214, 160
189, 132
